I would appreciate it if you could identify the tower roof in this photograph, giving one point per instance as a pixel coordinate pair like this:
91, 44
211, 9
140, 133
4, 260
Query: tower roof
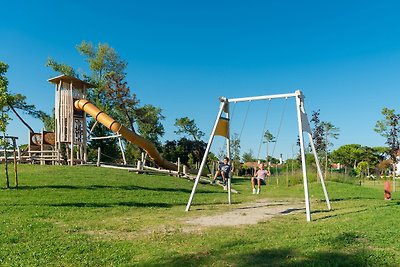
69, 79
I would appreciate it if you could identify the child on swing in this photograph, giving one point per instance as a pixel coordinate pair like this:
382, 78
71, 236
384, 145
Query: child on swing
224, 171
260, 176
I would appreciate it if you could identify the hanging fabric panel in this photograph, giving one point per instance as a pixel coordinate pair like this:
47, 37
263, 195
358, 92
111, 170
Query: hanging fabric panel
305, 123
222, 127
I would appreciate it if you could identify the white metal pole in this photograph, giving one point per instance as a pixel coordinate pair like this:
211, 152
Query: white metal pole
228, 154
319, 171
122, 149
203, 162
303, 156
264, 97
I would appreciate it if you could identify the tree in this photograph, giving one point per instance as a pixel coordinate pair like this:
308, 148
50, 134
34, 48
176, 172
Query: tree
4, 97
61, 68
268, 138
248, 156
4, 119
389, 128
348, 155
188, 127
318, 133
235, 151
189, 151
10, 102
108, 74
112, 93
322, 133
48, 121
331, 132
150, 126
362, 168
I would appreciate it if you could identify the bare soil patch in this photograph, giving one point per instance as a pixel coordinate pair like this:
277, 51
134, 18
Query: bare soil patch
250, 213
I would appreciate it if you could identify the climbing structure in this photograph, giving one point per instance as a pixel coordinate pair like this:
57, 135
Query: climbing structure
70, 124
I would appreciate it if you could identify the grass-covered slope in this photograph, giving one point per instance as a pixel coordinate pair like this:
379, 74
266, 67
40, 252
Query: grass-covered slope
87, 216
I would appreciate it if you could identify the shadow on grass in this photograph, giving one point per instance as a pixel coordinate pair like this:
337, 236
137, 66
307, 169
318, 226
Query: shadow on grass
107, 205
123, 187
269, 257
349, 198
336, 214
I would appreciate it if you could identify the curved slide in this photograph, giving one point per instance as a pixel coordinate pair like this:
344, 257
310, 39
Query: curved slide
132, 137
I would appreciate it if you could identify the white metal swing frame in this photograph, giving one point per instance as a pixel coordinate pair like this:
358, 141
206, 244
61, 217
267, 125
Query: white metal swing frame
303, 127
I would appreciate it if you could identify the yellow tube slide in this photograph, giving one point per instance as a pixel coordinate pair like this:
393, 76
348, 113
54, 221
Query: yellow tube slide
132, 137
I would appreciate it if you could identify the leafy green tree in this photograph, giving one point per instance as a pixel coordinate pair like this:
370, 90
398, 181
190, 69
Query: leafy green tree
235, 151
189, 151
4, 119
248, 156
150, 126
61, 68
4, 97
268, 138
389, 128
348, 155
10, 102
362, 168
48, 121
188, 127
318, 133
331, 132
112, 93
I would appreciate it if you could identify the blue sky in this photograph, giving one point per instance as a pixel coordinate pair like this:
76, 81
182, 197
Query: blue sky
183, 55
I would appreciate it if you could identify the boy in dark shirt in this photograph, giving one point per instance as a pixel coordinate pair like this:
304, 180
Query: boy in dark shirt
224, 171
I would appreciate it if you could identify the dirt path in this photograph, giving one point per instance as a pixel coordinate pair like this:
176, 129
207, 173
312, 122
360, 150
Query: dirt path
250, 213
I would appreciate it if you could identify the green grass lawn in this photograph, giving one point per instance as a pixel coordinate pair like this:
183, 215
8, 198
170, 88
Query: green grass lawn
87, 216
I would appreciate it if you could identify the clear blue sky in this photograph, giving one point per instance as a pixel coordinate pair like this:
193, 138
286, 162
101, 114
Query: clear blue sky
183, 55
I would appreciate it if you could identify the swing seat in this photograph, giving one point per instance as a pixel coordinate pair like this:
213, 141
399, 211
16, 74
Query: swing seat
263, 182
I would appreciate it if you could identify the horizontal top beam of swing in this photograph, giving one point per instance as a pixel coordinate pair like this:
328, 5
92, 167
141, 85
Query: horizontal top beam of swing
263, 97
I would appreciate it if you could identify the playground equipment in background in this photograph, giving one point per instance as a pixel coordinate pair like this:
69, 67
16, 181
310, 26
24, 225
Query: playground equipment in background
71, 128
119, 129
69, 136
70, 124
40, 145
222, 128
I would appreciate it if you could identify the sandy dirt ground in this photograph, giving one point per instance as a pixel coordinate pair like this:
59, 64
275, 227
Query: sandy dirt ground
250, 213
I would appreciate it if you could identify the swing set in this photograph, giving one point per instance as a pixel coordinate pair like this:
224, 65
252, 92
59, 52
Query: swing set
222, 128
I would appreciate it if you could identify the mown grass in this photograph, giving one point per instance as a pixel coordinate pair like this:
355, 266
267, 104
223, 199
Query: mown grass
87, 216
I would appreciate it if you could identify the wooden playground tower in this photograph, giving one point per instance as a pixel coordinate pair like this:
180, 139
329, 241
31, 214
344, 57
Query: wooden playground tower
70, 124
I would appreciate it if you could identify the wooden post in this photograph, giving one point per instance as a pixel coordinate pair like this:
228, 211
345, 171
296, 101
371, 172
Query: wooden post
287, 174
42, 148
15, 163
5, 161
19, 154
184, 169
72, 124
98, 156
394, 177
84, 130
139, 165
